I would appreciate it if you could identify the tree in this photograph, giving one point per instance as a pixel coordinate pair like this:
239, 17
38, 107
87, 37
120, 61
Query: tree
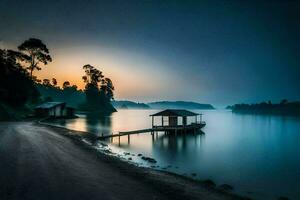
108, 88
16, 87
35, 52
17, 57
66, 84
54, 82
74, 87
98, 89
93, 76
46, 82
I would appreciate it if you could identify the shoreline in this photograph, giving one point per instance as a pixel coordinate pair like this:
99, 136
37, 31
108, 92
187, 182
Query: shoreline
165, 181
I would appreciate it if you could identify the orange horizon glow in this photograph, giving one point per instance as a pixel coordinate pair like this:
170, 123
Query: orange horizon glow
133, 75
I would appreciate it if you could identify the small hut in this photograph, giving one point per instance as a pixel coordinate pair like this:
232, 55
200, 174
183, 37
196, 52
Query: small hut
177, 118
55, 110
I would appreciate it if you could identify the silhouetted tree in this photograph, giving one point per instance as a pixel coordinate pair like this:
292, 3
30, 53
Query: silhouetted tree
93, 76
98, 90
66, 84
17, 57
108, 88
46, 82
35, 52
54, 82
16, 87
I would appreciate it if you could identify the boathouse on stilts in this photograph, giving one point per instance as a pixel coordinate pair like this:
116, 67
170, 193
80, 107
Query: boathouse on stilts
167, 121
177, 121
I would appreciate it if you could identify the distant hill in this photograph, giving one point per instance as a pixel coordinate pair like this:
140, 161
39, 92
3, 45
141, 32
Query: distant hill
179, 105
124, 104
129, 105
282, 108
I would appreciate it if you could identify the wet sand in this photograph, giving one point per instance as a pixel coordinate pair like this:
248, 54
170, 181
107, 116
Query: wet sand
43, 162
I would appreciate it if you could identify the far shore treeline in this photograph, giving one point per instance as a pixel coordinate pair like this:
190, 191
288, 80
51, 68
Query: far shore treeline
282, 108
21, 91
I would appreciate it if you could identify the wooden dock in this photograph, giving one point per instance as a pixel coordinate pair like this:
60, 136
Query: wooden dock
166, 129
172, 125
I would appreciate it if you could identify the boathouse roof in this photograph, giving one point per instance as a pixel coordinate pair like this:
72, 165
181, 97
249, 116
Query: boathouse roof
175, 112
48, 105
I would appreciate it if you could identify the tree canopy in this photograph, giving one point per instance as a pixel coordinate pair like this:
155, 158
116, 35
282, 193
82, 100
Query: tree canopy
98, 89
16, 87
34, 52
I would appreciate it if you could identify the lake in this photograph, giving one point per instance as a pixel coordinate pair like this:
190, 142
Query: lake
258, 155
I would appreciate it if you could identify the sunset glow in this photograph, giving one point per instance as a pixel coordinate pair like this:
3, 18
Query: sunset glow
173, 51
127, 70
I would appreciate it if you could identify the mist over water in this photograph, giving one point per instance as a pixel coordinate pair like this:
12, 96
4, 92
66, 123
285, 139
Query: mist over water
257, 154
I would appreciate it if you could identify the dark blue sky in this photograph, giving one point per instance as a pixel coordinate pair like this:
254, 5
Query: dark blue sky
219, 52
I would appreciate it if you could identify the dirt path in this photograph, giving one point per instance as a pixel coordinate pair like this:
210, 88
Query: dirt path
38, 163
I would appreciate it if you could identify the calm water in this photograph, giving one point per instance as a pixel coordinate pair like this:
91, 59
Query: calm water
258, 155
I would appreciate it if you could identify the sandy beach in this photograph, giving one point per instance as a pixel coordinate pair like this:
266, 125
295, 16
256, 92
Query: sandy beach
44, 162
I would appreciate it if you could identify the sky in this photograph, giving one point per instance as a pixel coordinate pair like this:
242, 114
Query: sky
218, 52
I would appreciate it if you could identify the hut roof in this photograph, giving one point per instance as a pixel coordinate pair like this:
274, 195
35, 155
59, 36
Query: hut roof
48, 105
175, 112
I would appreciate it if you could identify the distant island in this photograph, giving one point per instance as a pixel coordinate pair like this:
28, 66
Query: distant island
179, 105
123, 104
282, 108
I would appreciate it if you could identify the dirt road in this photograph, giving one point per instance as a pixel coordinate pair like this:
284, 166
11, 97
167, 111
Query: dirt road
38, 163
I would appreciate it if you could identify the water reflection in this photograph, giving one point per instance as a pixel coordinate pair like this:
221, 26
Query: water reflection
177, 143
254, 153
99, 124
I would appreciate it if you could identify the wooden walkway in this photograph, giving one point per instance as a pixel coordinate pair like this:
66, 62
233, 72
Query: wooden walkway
191, 127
